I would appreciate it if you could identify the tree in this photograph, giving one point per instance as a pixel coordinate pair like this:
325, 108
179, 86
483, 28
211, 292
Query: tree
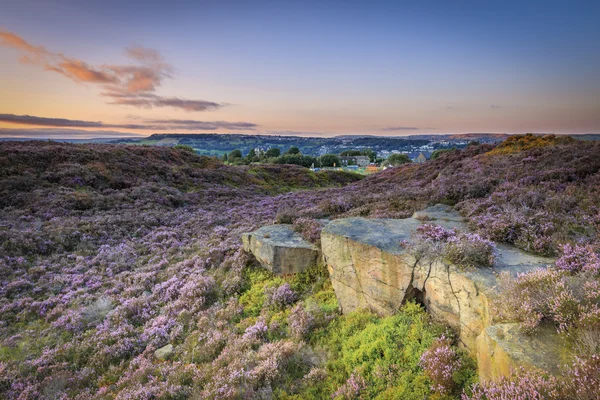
330, 160
274, 152
252, 157
351, 153
398, 159
235, 154
293, 150
224, 157
371, 154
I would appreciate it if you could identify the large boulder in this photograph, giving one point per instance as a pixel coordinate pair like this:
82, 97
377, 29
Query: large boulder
280, 249
370, 267
504, 347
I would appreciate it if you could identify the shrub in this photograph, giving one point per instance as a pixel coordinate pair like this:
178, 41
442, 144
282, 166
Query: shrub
518, 143
440, 363
309, 228
351, 389
398, 159
185, 147
461, 249
280, 297
578, 258
470, 250
571, 302
377, 357
521, 385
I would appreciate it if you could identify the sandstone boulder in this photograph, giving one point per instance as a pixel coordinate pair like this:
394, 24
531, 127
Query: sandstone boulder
504, 347
280, 249
370, 267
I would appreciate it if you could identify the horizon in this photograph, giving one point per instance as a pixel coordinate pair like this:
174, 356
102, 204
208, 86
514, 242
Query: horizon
313, 69
108, 136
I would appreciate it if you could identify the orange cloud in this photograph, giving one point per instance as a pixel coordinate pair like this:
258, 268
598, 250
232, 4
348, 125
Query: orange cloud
132, 85
82, 72
12, 40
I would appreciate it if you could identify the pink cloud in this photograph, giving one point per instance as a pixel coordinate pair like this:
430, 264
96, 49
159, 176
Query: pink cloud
132, 85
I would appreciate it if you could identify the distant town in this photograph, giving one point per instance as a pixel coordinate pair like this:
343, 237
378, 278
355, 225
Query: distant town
363, 154
221, 144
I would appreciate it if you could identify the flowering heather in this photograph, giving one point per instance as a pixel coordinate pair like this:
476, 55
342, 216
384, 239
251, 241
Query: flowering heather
462, 249
579, 381
571, 302
108, 253
470, 250
435, 233
351, 388
281, 296
522, 385
309, 228
440, 363
578, 258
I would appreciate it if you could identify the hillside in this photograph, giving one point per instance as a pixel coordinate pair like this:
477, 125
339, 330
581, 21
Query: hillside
111, 252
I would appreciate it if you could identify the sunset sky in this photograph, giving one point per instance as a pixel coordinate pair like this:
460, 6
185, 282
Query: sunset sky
305, 67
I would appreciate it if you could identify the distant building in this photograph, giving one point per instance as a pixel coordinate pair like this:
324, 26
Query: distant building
361, 161
420, 158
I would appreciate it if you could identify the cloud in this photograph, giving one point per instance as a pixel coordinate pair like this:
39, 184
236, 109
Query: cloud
58, 133
156, 124
131, 85
494, 106
147, 100
401, 128
193, 124
42, 121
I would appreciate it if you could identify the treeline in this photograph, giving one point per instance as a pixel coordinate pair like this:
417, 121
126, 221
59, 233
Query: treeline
274, 156
294, 156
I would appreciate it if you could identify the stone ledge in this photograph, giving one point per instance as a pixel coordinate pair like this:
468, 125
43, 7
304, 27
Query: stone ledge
280, 249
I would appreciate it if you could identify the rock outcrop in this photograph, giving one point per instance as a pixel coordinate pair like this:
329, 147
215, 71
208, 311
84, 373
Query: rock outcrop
280, 249
503, 347
370, 267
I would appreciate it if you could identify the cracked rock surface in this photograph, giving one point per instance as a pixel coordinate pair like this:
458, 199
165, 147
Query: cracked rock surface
370, 268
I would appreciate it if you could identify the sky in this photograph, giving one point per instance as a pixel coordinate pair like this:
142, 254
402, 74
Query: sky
326, 68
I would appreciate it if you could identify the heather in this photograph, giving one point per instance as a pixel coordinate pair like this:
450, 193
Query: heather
108, 253
465, 250
579, 381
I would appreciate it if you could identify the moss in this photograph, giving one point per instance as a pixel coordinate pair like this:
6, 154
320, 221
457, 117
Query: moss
385, 351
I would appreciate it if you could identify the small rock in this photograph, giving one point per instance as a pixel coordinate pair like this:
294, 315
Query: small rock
164, 352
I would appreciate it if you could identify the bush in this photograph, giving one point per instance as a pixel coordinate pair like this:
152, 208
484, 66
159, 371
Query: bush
185, 147
309, 228
461, 249
440, 363
521, 384
578, 258
571, 302
398, 159
377, 357
470, 250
